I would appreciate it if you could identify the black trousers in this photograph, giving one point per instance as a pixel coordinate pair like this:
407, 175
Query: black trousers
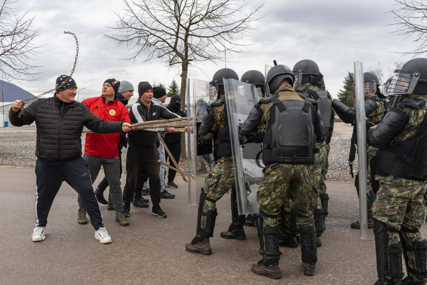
49, 178
175, 149
137, 160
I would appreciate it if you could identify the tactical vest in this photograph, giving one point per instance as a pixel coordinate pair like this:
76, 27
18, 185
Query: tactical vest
406, 159
324, 104
290, 139
222, 142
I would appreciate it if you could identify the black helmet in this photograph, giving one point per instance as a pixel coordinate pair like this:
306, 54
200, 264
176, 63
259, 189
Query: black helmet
276, 75
370, 83
254, 77
217, 80
412, 78
306, 71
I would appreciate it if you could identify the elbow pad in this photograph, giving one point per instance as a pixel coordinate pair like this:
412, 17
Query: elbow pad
344, 112
252, 121
370, 107
391, 125
207, 124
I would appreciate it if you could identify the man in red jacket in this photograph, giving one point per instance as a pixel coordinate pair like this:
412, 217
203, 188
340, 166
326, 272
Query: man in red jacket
102, 149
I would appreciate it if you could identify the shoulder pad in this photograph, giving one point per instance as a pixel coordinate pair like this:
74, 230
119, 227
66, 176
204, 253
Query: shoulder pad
301, 88
269, 99
370, 106
413, 103
218, 102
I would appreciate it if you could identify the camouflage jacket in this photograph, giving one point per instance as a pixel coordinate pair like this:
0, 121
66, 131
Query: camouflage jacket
214, 121
416, 118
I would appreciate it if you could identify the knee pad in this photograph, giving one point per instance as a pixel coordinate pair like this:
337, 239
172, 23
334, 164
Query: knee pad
420, 249
324, 199
395, 266
319, 221
271, 239
210, 222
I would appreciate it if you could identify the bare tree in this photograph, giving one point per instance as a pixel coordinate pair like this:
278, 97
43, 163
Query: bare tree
16, 48
411, 17
183, 32
378, 72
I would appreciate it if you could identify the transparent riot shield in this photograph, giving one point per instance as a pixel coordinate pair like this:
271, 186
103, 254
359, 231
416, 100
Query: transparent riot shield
240, 99
200, 156
361, 148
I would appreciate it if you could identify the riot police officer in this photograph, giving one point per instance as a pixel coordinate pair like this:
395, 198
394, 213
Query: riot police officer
287, 158
309, 83
235, 231
375, 109
221, 179
399, 209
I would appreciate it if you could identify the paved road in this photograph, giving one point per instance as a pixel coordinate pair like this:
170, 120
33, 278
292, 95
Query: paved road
151, 250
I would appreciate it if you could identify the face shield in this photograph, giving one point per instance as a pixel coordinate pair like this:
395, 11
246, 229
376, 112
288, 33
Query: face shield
402, 83
298, 77
369, 87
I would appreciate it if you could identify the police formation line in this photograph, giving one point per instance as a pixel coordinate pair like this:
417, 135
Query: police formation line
292, 121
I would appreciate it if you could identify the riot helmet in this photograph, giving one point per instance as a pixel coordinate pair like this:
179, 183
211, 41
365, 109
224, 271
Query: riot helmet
217, 80
276, 75
254, 77
370, 83
306, 71
385, 86
412, 78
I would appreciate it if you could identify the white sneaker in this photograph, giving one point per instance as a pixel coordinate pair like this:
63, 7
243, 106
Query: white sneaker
103, 236
38, 234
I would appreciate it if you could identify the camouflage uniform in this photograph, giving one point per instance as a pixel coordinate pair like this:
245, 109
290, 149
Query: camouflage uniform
286, 184
400, 202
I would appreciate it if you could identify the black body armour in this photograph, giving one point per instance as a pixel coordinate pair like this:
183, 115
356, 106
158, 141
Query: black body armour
222, 138
406, 159
324, 103
290, 138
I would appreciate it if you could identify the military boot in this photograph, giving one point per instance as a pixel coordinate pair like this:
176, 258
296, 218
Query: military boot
408, 281
356, 225
249, 222
82, 220
121, 219
269, 269
235, 231
385, 282
200, 244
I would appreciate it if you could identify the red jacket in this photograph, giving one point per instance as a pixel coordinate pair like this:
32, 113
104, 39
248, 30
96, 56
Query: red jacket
105, 145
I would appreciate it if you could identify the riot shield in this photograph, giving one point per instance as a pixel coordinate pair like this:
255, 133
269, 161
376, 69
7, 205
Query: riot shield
361, 148
240, 99
200, 155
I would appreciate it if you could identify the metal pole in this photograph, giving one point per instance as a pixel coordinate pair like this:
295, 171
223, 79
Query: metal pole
2, 99
361, 149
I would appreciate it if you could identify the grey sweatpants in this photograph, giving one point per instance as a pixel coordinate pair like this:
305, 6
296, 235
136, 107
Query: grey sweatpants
162, 173
112, 173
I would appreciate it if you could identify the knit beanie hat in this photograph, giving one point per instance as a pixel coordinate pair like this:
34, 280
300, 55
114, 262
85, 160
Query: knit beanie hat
159, 92
70, 83
115, 83
125, 86
143, 87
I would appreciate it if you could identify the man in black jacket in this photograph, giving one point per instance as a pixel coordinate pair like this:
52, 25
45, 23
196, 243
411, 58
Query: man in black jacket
60, 122
173, 141
142, 152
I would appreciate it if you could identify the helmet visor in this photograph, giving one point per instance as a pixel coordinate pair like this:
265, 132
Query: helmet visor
402, 83
369, 88
298, 77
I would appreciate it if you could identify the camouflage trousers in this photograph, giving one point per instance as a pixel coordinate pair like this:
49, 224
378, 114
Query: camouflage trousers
317, 177
283, 182
326, 148
400, 205
218, 182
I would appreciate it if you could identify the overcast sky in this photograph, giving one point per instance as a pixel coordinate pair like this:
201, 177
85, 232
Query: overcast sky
334, 33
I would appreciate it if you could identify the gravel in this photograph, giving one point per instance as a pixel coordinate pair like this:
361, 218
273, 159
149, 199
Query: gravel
17, 148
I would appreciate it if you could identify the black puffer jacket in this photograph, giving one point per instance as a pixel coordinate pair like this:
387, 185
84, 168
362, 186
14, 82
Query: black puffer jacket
59, 127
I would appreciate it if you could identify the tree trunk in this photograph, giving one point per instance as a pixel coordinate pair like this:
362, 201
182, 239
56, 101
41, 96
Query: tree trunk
184, 73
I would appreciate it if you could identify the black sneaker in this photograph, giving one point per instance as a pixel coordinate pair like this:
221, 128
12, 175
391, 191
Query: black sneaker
171, 184
140, 203
100, 196
146, 192
166, 195
157, 211
126, 209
